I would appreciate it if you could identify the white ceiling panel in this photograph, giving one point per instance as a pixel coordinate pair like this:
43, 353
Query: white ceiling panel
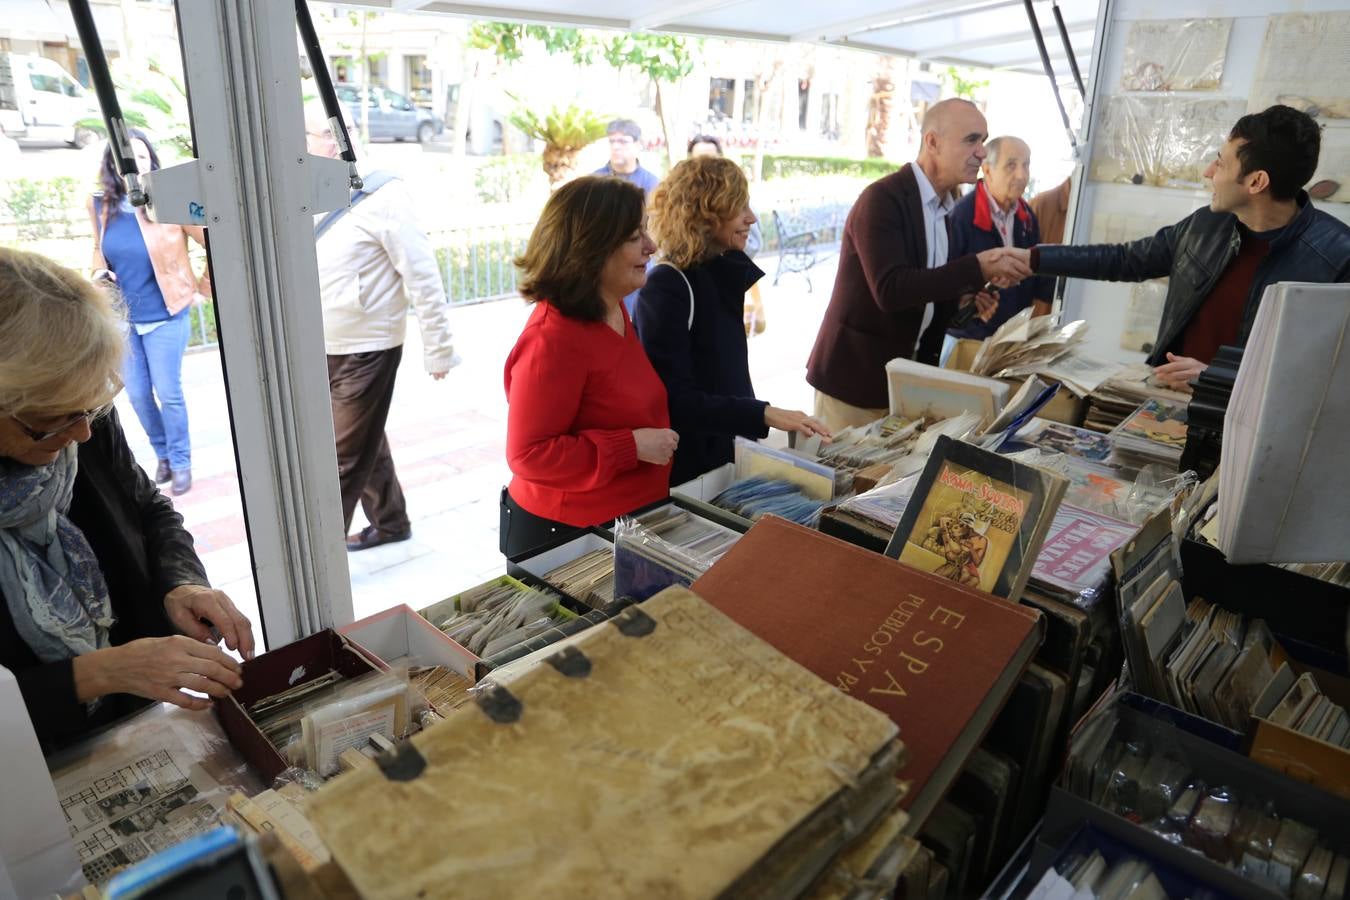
993, 33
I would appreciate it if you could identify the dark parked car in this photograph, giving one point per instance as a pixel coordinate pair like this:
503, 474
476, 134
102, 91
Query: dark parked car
391, 115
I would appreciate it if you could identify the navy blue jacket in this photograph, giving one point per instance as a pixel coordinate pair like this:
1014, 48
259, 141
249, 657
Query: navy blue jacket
971, 230
705, 366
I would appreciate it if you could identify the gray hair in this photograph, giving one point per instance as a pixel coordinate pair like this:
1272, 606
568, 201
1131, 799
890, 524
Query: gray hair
64, 338
994, 146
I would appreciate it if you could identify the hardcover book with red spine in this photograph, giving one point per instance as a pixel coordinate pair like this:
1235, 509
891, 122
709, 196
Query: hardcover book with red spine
940, 659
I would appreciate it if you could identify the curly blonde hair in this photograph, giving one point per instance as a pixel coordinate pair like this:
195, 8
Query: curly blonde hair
697, 196
64, 338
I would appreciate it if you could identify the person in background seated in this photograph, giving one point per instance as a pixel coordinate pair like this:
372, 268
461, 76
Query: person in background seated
995, 215
689, 315
104, 605
1259, 228
755, 323
893, 262
588, 432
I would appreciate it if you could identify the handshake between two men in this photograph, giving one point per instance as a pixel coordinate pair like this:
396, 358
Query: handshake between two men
1002, 267
1005, 267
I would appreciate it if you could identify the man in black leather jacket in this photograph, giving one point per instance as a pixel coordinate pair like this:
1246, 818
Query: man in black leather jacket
1259, 228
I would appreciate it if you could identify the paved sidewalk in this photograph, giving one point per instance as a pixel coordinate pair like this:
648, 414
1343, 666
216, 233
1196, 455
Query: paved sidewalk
448, 443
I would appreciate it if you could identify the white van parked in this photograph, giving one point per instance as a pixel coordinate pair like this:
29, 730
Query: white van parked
39, 101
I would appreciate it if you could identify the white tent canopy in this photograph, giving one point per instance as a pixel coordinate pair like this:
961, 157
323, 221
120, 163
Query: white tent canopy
987, 33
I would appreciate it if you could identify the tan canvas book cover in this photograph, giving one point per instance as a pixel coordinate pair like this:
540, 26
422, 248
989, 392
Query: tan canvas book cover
666, 753
938, 658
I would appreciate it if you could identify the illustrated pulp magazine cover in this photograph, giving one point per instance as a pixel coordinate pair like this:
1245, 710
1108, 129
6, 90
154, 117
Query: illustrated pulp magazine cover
977, 518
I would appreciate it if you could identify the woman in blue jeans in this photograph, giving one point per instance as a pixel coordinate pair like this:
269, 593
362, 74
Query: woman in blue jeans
148, 262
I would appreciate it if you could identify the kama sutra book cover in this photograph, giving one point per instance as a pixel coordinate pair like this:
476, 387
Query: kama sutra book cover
977, 518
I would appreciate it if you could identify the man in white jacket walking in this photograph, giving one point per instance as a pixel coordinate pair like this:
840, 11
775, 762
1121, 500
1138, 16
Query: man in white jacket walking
373, 261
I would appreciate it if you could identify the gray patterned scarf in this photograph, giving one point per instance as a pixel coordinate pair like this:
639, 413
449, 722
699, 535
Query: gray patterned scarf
48, 573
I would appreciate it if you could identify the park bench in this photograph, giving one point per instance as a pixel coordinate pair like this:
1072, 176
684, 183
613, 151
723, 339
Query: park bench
805, 237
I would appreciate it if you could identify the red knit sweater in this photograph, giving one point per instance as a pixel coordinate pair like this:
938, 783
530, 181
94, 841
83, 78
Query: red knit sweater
576, 391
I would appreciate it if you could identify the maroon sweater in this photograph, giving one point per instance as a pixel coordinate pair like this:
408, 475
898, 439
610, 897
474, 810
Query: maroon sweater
880, 292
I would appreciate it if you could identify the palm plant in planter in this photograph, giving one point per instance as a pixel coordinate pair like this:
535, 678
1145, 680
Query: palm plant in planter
565, 132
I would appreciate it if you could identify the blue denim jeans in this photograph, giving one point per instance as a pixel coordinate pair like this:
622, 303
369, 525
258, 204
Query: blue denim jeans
154, 382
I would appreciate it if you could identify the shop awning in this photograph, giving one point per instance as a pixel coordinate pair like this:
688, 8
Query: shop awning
986, 33
50, 21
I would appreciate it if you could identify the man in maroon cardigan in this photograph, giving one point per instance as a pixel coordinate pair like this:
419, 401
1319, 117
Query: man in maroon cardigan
893, 263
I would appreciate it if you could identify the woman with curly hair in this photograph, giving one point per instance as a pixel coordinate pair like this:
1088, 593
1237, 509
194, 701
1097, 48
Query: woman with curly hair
689, 315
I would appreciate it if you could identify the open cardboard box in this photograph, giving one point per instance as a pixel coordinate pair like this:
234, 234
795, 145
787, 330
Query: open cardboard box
1301, 756
401, 635
1312, 629
708, 485
538, 565
274, 672
1066, 406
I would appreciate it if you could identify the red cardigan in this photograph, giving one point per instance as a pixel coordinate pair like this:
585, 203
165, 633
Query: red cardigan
576, 391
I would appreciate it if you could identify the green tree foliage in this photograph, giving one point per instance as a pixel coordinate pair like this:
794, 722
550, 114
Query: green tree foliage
963, 84
664, 58
506, 40
152, 99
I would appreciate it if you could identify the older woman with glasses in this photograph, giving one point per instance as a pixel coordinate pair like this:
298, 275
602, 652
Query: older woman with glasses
104, 605
689, 315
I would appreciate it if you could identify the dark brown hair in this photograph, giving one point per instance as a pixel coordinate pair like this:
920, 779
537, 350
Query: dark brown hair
584, 222
1283, 141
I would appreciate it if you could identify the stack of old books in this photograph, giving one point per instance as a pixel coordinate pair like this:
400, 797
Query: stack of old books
668, 752
1120, 395
940, 657
1155, 433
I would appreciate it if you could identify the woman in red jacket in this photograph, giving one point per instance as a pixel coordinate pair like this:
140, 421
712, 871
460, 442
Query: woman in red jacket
588, 433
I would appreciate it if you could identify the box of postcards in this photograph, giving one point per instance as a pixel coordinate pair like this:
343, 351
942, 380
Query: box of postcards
496, 615
581, 569
1097, 866
666, 545
438, 667
272, 714
1302, 609
1301, 727
1163, 785
792, 484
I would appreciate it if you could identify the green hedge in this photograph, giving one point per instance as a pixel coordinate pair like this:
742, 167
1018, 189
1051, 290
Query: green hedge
506, 179
43, 207
787, 166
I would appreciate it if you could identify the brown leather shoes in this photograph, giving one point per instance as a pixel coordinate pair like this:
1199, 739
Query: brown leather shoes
368, 537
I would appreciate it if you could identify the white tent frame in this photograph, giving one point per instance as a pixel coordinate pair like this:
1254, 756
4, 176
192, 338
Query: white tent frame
257, 189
